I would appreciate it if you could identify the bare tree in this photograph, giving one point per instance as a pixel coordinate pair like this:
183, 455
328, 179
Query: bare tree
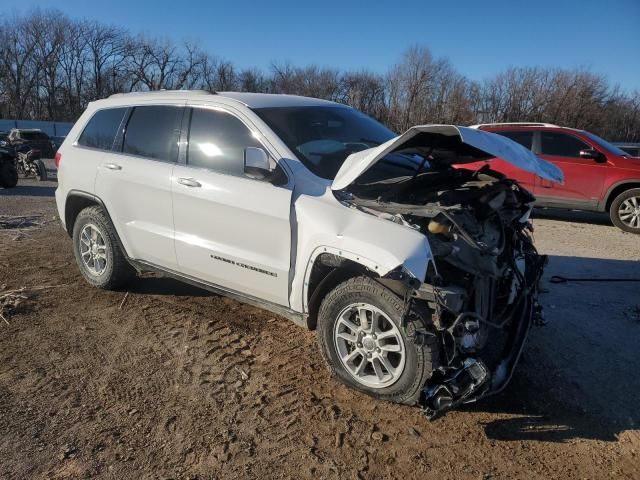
19, 66
366, 92
107, 48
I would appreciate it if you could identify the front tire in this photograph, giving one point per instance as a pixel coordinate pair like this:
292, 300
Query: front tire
97, 252
625, 211
366, 346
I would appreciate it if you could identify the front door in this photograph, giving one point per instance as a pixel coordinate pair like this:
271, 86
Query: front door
583, 177
230, 230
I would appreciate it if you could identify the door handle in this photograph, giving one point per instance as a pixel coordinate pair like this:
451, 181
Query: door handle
189, 182
112, 166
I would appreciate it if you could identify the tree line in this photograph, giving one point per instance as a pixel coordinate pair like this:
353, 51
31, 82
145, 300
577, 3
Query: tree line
52, 65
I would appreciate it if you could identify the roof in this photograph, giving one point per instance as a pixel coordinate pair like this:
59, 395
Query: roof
251, 100
265, 100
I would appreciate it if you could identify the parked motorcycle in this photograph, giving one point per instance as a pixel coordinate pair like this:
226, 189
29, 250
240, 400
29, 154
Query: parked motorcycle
29, 163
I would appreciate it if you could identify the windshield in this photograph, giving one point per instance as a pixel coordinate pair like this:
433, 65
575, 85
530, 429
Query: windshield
608, 146
323, 137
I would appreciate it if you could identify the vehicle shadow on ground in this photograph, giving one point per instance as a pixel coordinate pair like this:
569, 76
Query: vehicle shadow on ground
28, 191
577, 377
536, 416
575, 216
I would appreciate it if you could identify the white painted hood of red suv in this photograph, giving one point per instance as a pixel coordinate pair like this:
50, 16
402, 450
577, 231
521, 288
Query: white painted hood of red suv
492, 144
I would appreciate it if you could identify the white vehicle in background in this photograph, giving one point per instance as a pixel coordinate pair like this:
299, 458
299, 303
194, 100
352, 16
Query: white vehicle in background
419, 277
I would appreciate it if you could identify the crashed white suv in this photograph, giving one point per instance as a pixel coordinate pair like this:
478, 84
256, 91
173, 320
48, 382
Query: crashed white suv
419, 276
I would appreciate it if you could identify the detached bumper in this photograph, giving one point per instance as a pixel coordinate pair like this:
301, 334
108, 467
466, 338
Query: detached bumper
473, 381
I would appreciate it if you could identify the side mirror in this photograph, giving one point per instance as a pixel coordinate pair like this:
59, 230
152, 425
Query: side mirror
593, 154
256, 163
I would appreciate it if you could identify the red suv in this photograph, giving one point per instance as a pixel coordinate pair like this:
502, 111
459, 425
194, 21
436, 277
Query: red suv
598, 176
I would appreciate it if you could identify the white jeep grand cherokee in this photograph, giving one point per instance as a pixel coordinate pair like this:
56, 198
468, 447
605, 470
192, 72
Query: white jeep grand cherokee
420, 276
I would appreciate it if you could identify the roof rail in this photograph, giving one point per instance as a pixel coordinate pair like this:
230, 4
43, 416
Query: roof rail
514, 124
163, 92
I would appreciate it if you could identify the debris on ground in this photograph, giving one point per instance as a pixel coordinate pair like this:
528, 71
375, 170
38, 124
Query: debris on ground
68, 451
20, 225
124, 299
11, 300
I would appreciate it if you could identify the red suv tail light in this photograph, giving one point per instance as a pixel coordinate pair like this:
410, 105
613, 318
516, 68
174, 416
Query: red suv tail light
57, 159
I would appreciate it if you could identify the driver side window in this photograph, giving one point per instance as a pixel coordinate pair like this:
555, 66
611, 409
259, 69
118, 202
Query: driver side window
561, 145
217, 141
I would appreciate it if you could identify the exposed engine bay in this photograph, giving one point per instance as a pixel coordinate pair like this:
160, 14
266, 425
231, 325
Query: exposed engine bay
482, 285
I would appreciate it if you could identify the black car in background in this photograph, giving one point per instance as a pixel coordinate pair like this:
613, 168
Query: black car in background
35, 139
56, 142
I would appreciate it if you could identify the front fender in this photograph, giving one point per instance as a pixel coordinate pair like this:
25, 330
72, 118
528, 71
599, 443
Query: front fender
326, 226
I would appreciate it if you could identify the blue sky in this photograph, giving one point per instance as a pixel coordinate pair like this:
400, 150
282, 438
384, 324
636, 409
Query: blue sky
479, 37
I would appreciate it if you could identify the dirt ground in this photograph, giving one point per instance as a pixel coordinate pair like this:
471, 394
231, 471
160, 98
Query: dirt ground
179, 383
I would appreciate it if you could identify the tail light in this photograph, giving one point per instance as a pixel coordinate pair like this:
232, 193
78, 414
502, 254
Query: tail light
57, 159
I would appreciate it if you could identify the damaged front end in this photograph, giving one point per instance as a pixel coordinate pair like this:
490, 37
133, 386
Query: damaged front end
482, 285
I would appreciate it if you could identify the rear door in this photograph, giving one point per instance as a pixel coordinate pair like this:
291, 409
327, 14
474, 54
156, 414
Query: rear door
135, 183
583, 177
92, 148
230, 230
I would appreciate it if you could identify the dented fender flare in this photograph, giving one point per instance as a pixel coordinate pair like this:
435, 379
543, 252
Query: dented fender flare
410, 273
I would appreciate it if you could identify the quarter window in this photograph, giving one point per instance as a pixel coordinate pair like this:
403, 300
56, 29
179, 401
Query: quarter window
561, 145
523, 138
153, 132
102, 128
217, 141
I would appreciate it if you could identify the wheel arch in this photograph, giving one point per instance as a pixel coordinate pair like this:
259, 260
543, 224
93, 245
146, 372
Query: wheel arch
329, 269
617, 189
326, 271
78, 200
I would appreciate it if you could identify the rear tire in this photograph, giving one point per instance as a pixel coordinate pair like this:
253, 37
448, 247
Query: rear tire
625, 211
410, 351
8, 175
97, 251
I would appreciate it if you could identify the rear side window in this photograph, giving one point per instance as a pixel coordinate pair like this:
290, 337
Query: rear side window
217, 141
153, 132
561, 144
102, 128
523, 138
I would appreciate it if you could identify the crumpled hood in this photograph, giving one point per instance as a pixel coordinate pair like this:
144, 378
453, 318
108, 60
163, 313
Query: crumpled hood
467, 145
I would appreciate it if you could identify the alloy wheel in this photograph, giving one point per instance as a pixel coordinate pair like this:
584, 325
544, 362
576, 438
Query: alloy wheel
93, 249
369, 345
629, 212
